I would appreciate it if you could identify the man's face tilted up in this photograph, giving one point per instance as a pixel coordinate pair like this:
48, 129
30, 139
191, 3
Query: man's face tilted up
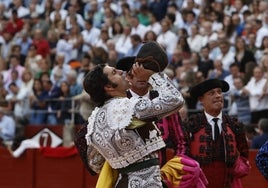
119, 84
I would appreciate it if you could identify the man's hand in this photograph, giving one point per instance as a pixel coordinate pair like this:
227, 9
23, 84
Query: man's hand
140, 72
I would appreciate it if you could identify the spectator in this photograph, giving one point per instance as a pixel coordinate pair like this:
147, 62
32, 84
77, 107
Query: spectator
216, 21
76, 39
41, 43
254, 89
171, 17
90, 35
18, 99
206, 63
14, 78
150, 36
64, 109
190, 19
167, 39
103, 39
243, 56
15, 24
123, 43
37, 103
262, 50
260, 140
240, 103
60, 70
227, 55
136, 27
6, 44
207, 33
194, 39
65, 48
173, 8
52, 38
21, 10
24, 41
125, 17
158, 8
184, 46
36, 6
176, 59
38, 23
136, 45
58, 11
116, 30
92, 11
7, 127
154, 25
144, 15
234, 73
218, 72
74, 87
52, 93
261, 31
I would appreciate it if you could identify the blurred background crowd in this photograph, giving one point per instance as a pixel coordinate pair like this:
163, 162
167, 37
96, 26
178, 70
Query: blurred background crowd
47, 47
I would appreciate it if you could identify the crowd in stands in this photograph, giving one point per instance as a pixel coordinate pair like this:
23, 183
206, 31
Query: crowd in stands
47, 46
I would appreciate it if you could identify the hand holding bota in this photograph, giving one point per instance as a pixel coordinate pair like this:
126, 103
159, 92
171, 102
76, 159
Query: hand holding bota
152, 56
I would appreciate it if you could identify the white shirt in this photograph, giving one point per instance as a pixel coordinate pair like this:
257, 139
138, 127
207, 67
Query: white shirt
22, 12
63, 14
179, 21
64, 71
230, 80
262, 32
211, 122
256, 89
194, 43
139, 30
168, 40
133, 94
155, 27
227, 59
80, 21
7, 128
90, 36
123, 44
64, 47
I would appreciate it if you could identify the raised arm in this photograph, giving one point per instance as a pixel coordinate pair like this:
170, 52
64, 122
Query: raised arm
168, 101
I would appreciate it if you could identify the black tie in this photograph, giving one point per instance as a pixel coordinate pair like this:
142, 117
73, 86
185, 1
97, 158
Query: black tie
216, 128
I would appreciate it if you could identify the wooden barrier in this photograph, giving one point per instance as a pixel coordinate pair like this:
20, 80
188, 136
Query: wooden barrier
34, 170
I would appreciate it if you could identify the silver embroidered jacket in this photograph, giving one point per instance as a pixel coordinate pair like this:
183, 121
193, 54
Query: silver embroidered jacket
109, 136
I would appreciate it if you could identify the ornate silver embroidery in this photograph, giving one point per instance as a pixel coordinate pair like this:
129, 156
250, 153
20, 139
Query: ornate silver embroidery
107, 126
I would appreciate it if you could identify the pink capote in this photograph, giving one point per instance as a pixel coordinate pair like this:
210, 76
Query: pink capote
241, 169
183, 172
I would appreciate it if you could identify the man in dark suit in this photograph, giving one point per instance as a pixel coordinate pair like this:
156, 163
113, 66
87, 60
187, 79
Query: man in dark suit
215, 140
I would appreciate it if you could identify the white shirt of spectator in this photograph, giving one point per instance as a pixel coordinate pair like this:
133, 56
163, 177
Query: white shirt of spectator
63, 14
90, 36
139, 30
227, 59
155, 27
7, 128
256, 89
123, 44
168, 40
64, 47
